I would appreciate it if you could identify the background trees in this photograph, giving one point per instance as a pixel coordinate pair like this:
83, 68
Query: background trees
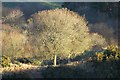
101, 28
101, 16
14, 17
12, 41
62, 32
60, 35
49, 33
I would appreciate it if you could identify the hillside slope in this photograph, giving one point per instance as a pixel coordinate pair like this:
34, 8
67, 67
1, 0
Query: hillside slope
30, 8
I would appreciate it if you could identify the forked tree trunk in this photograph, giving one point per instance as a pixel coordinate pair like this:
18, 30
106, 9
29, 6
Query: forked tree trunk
55, 59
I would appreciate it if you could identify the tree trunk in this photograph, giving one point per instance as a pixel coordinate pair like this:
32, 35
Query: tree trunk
69, 57
55, 59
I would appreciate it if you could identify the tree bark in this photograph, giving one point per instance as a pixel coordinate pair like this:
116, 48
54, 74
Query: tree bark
55, 59
69, 58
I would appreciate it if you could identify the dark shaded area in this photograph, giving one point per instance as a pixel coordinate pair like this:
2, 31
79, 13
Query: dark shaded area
85, 55
85, 66
15, 75
30, 74
50, 62
97, 13
80, 67
86, 70
62, 72
24, 60
92, 69
94, 11
64, 61
29, 8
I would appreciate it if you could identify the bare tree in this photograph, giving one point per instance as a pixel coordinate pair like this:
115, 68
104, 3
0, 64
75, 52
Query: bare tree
12, 41
61, 32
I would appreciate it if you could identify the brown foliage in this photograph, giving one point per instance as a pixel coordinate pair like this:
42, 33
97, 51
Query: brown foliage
12, 41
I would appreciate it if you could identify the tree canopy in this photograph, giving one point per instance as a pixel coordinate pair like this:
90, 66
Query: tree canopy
62, 32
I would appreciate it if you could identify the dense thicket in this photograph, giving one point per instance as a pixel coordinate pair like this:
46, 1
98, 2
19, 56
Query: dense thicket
12, 41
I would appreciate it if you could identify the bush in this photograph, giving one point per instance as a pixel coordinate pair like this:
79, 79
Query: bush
46, 62
111, 53
36, 62
33, 61
24, 60
15, 62
5, 61
100, 56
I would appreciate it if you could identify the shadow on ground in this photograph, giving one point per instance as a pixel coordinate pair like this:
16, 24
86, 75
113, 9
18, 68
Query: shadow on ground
85, 70
79, 67
26, 74
89, 69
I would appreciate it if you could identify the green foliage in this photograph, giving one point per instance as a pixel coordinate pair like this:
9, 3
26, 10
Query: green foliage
100, 56
5, 61
111, 53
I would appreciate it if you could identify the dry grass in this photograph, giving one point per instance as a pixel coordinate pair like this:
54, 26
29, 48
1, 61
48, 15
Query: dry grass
28, 71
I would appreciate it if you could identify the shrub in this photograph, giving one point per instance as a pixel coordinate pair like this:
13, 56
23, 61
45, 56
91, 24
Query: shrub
46, 62
15, 62
33, 61
110, 53
36, 62
24, 60
100, 56
5, 61
114, 51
